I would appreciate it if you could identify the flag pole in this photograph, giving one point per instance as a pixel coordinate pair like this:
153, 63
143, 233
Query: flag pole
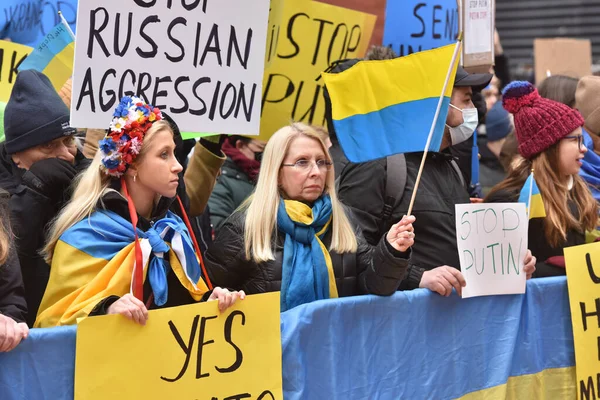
66, 24
434, 122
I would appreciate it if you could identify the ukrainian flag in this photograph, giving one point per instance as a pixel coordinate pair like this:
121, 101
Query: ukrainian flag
380, 108
531, 196
53, 56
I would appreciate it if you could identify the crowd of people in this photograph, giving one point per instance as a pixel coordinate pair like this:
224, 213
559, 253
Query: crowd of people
142, 219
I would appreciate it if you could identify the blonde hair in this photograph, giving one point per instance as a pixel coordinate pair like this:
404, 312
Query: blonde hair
555, 195
90, 188
5, 235
262, 206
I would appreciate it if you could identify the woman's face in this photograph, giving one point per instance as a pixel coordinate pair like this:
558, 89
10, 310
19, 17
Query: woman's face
300, 176
570, 153
158, 171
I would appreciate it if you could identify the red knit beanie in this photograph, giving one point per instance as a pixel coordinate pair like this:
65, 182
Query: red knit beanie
539, 122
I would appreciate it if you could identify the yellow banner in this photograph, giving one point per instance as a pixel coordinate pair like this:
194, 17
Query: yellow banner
312, 35
11, 55
188, 352
583, 277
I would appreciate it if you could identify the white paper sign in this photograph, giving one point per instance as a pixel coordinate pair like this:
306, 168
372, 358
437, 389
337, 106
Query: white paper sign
492, 243
202, 61
479, 26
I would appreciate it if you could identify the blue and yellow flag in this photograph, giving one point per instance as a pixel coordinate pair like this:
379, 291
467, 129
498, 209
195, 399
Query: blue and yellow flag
53, 56
531, 196
380, 108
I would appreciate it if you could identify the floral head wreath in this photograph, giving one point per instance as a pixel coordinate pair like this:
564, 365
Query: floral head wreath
121, 145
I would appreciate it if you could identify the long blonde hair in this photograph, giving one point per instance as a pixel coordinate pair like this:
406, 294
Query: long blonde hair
90, 188
555, 195
5, 233
262, 206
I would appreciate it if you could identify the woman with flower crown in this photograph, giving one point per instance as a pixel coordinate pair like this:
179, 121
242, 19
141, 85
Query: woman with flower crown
116, 248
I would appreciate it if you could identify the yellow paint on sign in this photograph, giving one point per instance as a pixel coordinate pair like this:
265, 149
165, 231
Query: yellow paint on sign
11, 55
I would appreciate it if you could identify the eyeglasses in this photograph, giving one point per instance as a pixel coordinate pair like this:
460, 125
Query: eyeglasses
306, 165
579, 139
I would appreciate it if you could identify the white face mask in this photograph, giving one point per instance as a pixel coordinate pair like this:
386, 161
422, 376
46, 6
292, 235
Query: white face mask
464, 131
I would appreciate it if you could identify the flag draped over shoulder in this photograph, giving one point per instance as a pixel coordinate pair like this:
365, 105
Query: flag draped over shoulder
531, 196
53, 57
95, 259
386, 107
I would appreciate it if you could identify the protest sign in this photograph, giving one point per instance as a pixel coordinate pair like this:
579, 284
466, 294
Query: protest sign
412, 26
11, 56
187, 352
202, 61
492, 243
562, 56
583, 279
313, 35
478, 20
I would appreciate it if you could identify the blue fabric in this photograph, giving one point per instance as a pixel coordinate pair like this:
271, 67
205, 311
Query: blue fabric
475, 160
413, 345
106, 233
401, 128
304, 270
590, 170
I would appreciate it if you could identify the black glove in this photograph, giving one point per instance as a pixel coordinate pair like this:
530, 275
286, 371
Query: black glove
50, 177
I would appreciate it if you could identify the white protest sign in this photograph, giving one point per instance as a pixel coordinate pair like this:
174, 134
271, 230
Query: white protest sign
202, 61
479, 26
492, 243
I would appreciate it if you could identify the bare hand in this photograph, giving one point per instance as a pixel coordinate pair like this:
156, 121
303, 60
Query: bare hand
130, 307
529, 267
225, 297
11, 333
401, 236
442, 280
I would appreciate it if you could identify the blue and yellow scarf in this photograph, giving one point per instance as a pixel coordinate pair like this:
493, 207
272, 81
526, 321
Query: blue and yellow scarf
307, 271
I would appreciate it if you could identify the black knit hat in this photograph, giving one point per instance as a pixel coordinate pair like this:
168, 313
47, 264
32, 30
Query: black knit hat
35, 114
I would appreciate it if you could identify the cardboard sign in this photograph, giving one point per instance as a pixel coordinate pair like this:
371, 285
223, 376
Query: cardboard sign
492, 244
562, 56
187, 352
11, 56
313, 35
201, 61
583, 279
412, 26
478, 20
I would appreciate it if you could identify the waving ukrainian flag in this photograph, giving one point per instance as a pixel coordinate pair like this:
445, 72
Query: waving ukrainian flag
531, 196
380, 108
53, 56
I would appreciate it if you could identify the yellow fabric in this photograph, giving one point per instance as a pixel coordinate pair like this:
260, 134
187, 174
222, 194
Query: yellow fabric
200, 177
78, 282
60, 68
550, 384
379, 83
300, 212
537, 209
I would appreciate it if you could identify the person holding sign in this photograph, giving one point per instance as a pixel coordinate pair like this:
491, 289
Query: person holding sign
551, 144
294, 236
98, 264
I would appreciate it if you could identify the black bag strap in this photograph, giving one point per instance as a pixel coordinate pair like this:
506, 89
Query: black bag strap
456, 168
394, 186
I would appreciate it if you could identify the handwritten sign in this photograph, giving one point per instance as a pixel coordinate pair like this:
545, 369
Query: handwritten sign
11, 56
412, 26
188, 352
202, 61
312, 36
583, 279
492, 243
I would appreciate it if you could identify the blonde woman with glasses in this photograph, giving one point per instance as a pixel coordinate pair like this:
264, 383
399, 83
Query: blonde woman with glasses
294, 236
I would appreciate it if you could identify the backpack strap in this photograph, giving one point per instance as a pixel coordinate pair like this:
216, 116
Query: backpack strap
395, 183
456, 168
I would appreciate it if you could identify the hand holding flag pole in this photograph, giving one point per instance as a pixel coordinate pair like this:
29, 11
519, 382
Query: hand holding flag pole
434, 122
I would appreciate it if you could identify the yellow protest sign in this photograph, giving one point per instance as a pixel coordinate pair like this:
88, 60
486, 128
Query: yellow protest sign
11, 55
583, 277
188, 352
312, 36
275, 14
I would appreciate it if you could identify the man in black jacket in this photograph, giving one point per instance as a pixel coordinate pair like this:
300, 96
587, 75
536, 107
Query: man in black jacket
38, 162
434, 261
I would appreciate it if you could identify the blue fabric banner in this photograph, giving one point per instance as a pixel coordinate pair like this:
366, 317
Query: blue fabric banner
413, 345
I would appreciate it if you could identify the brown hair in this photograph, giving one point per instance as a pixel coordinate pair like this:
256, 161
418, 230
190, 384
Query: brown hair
559, 88
554, 195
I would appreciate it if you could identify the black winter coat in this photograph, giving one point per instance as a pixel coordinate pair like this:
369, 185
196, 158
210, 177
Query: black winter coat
12, 293
371, 270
